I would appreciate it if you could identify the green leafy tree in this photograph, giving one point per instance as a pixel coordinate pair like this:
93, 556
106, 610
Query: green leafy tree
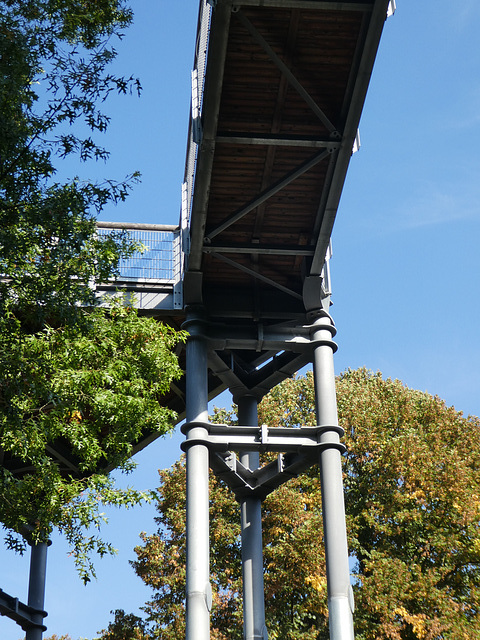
54, 80
82, 381
90, 388
412, 481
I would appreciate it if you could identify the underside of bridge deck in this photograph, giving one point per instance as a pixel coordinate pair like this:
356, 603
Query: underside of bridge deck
275, 127
284, 89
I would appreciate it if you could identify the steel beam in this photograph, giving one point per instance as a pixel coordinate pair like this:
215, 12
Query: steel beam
287, 73
257, 275
268, 193
260, 249
225, 438
322, 5
261, 337
19, 612
276, 141
255, 380
260, 483
275, 308
361, 72
211, 103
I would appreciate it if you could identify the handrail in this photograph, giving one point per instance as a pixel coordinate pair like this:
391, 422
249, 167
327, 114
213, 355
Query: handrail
137, 226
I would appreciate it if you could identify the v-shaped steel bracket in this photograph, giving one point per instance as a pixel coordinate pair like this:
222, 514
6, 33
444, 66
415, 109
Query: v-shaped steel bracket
297, 450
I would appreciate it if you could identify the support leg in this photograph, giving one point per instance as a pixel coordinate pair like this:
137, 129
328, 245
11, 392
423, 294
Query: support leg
252, 555
197, 527
36, 588
340, 597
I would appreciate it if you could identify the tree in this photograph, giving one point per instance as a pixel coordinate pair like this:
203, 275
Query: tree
88, 380
412, 481
54, 57
93, 388
125, 627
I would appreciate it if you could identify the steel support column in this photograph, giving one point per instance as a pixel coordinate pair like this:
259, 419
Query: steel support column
199, 598
251, 522
340, 596
36, 589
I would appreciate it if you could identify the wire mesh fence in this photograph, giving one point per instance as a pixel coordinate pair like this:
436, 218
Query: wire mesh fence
158, 258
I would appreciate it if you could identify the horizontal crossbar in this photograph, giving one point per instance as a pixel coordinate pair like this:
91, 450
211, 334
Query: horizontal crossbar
277, 141
222, 437
325, 5
298, 448
261, 249
21, 613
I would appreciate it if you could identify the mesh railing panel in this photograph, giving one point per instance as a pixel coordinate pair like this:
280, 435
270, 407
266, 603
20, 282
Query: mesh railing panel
159, 261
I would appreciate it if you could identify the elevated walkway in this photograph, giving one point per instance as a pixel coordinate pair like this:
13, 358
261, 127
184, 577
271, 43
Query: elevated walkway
278, 87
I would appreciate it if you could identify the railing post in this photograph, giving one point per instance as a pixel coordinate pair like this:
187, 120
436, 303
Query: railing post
252, 553
178, 265
199, 598
340, 595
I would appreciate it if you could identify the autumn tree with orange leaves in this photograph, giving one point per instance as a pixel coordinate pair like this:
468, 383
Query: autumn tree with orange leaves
412, 483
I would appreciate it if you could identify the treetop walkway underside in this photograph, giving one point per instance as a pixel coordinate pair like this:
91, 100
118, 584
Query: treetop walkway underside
278, 87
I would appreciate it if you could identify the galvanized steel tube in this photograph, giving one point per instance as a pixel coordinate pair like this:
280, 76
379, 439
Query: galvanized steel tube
36, 589
252, 552
197, 525
340, 598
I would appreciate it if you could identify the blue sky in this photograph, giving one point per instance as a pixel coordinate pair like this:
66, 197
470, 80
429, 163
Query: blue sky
406, 262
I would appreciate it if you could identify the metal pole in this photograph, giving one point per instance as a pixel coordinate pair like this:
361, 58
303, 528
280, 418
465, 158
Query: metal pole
251, 522
36, 589
199, 597
340, 595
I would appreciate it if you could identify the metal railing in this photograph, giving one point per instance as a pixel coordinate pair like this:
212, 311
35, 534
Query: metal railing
159, 258
195, 126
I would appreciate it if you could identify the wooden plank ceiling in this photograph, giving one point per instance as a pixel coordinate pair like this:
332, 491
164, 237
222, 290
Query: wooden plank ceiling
285, 85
